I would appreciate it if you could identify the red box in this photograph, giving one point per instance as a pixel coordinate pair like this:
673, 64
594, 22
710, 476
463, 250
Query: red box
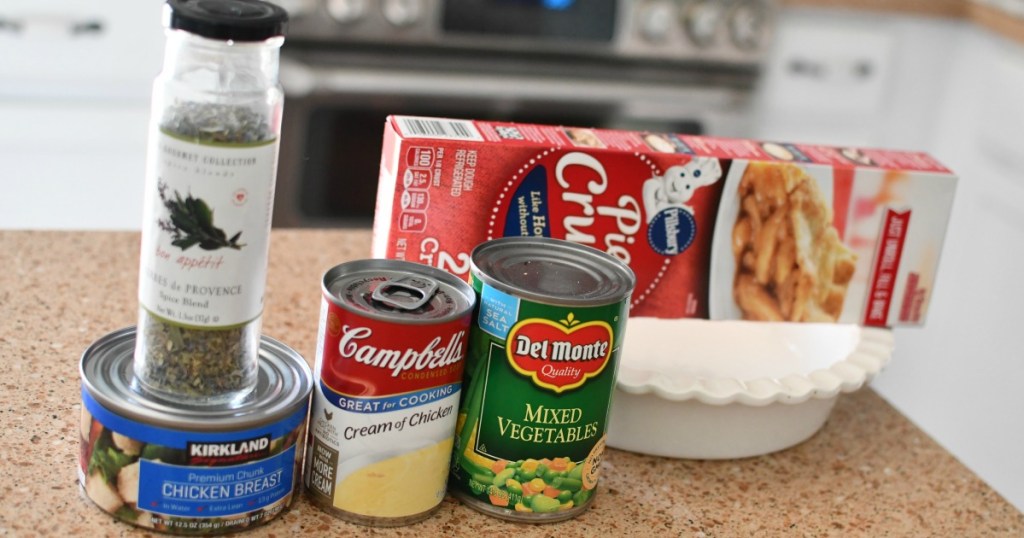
713, 227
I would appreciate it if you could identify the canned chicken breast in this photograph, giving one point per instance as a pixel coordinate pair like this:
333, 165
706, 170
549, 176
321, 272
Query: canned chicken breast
191, 469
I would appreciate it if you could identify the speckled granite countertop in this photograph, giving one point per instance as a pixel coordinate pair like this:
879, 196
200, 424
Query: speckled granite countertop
869, 472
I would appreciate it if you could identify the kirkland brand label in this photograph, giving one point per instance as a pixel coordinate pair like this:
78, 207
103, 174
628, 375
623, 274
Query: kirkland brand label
384, 413
228, 453
538, 390
215, 491
206, 223
182, 481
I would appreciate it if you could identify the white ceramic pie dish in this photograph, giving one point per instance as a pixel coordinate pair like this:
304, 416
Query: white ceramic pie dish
730, 389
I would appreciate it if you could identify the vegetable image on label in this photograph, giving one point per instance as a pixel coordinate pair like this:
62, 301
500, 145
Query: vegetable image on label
543, 486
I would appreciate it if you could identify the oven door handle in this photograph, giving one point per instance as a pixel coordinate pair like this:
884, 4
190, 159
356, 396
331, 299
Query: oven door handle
301, 80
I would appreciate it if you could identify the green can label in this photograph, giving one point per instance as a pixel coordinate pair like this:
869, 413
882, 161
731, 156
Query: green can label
538, 391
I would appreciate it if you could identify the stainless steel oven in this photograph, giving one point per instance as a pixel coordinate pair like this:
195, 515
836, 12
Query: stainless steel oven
661, 65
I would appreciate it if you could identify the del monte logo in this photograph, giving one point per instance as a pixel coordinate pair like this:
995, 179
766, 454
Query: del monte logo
559, 356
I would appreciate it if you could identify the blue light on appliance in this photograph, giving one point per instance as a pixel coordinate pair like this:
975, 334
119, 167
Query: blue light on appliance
558, 4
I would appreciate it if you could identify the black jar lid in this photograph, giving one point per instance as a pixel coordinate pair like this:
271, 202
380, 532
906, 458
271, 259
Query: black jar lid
235, 20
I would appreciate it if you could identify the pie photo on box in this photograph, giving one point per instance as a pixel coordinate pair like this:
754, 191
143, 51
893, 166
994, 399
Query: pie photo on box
791, 264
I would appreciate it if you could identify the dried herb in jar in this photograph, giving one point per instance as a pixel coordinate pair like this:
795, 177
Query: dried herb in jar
209, 191
195, 362
216, 123
180, 359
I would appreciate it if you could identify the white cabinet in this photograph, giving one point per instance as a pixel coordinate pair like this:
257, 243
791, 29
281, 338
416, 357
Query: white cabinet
855, 78
75, 79
69, 48
826, 82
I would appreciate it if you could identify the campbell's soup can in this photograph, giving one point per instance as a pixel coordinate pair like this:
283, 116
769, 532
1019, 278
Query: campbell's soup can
541, 369
389, 365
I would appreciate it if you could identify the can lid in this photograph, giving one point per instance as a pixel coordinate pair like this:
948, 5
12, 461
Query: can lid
284, 382
552, 271
235, 20
398, 291
406, 292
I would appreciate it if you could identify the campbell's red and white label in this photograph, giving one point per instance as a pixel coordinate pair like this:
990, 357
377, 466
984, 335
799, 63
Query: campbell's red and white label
365, 358
387, 399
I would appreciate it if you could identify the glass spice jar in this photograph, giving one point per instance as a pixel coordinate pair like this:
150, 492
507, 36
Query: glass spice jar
211, 169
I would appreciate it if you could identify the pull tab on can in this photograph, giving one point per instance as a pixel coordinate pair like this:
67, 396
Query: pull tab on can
407, 293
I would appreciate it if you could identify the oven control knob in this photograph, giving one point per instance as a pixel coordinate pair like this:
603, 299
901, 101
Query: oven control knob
700, 18
748, 24
655, 20
346, 11
402, 12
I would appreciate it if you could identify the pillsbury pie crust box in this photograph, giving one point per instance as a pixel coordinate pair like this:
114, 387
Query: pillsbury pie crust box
714, 228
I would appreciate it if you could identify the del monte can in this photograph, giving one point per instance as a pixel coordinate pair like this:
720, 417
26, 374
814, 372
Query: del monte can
541, 369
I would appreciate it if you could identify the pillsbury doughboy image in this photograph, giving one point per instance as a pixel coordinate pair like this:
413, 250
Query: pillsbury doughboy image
678, 184
671, 223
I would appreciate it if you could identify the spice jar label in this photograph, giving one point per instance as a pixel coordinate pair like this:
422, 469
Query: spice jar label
204, 247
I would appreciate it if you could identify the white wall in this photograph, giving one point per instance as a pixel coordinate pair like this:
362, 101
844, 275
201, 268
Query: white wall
957, 92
